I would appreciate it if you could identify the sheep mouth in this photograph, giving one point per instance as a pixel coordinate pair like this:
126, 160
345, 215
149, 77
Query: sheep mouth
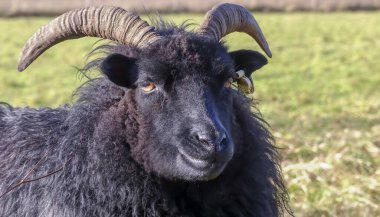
196, 168
195, 161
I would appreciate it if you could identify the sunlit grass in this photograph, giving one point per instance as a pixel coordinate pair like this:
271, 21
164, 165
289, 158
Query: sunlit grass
320, 93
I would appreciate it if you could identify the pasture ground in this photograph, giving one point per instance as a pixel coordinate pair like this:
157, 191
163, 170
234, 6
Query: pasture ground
320, 93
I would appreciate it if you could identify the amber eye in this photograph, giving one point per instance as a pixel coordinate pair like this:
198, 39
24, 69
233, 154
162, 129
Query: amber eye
228, 82
150, 86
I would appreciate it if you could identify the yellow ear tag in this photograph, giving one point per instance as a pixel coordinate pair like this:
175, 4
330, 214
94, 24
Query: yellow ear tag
244, 83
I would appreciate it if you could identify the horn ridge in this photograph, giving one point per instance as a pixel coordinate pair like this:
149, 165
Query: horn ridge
107, 22
226, 18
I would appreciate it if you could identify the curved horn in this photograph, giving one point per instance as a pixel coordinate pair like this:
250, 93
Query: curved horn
224, 19
106, 22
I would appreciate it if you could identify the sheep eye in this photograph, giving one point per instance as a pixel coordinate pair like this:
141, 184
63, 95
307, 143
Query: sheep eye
228, 82
149, 87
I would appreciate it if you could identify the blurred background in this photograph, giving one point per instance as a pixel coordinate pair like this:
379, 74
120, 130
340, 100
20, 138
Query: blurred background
320, 92
53, 7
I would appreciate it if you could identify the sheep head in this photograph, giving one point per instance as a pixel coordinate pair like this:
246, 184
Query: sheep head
180, 82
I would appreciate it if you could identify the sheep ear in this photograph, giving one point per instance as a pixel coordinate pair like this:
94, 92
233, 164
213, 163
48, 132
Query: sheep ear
248, 61
120, 69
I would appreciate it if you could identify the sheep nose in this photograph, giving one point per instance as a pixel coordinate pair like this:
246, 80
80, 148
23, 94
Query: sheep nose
212, 140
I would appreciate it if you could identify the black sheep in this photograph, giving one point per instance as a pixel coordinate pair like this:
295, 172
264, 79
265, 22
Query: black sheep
162, 133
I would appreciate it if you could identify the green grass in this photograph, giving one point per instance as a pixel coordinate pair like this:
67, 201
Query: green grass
320, 93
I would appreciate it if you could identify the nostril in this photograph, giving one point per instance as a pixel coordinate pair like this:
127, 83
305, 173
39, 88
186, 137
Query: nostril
201, 137
219, 142
223, 141
222, 138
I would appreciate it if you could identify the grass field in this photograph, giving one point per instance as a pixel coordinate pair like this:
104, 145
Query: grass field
320, 93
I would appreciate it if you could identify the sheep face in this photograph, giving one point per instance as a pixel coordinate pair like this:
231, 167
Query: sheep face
184, 105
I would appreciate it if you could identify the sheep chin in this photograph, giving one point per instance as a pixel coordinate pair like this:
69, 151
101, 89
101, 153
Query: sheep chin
192, 169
